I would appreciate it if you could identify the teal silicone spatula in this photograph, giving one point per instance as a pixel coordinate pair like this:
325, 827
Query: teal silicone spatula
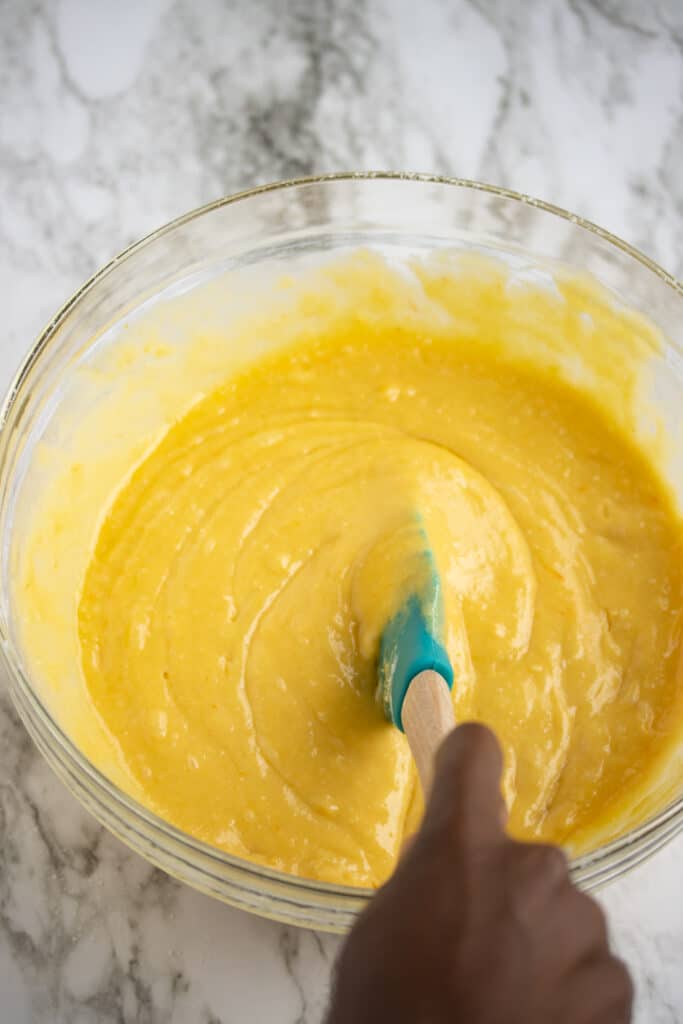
414, 672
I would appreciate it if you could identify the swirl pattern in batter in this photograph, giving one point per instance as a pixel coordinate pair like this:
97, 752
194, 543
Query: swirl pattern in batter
230, 616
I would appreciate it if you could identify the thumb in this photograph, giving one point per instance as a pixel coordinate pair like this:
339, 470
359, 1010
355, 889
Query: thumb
466, 801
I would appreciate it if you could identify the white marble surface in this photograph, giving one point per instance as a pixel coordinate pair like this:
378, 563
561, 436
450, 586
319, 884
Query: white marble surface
115, 117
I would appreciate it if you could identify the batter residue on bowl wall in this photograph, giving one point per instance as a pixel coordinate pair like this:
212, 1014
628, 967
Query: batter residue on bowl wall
228, 646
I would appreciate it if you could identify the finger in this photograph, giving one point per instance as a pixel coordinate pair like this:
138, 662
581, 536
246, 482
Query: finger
601, 993
466, 799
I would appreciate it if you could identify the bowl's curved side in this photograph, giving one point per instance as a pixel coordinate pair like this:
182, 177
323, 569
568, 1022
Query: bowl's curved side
358, 204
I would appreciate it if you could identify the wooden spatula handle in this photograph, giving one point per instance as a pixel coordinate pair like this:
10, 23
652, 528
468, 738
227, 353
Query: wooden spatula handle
427, 717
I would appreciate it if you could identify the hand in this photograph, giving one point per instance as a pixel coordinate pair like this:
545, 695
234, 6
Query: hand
475, 927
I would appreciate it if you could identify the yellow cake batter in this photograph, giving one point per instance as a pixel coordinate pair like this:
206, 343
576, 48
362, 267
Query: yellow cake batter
230, 615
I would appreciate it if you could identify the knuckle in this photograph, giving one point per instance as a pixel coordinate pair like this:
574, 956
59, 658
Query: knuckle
553, 863
541, 865
593, 916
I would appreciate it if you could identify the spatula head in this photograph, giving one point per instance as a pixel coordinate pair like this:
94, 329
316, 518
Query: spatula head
413, 641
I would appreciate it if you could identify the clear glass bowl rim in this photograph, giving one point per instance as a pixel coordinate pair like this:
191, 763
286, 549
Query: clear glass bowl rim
590, 870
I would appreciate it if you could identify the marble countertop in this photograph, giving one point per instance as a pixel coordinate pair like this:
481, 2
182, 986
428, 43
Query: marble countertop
117, 116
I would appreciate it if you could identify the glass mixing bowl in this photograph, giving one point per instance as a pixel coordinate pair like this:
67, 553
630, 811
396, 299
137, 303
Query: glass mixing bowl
292, 224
